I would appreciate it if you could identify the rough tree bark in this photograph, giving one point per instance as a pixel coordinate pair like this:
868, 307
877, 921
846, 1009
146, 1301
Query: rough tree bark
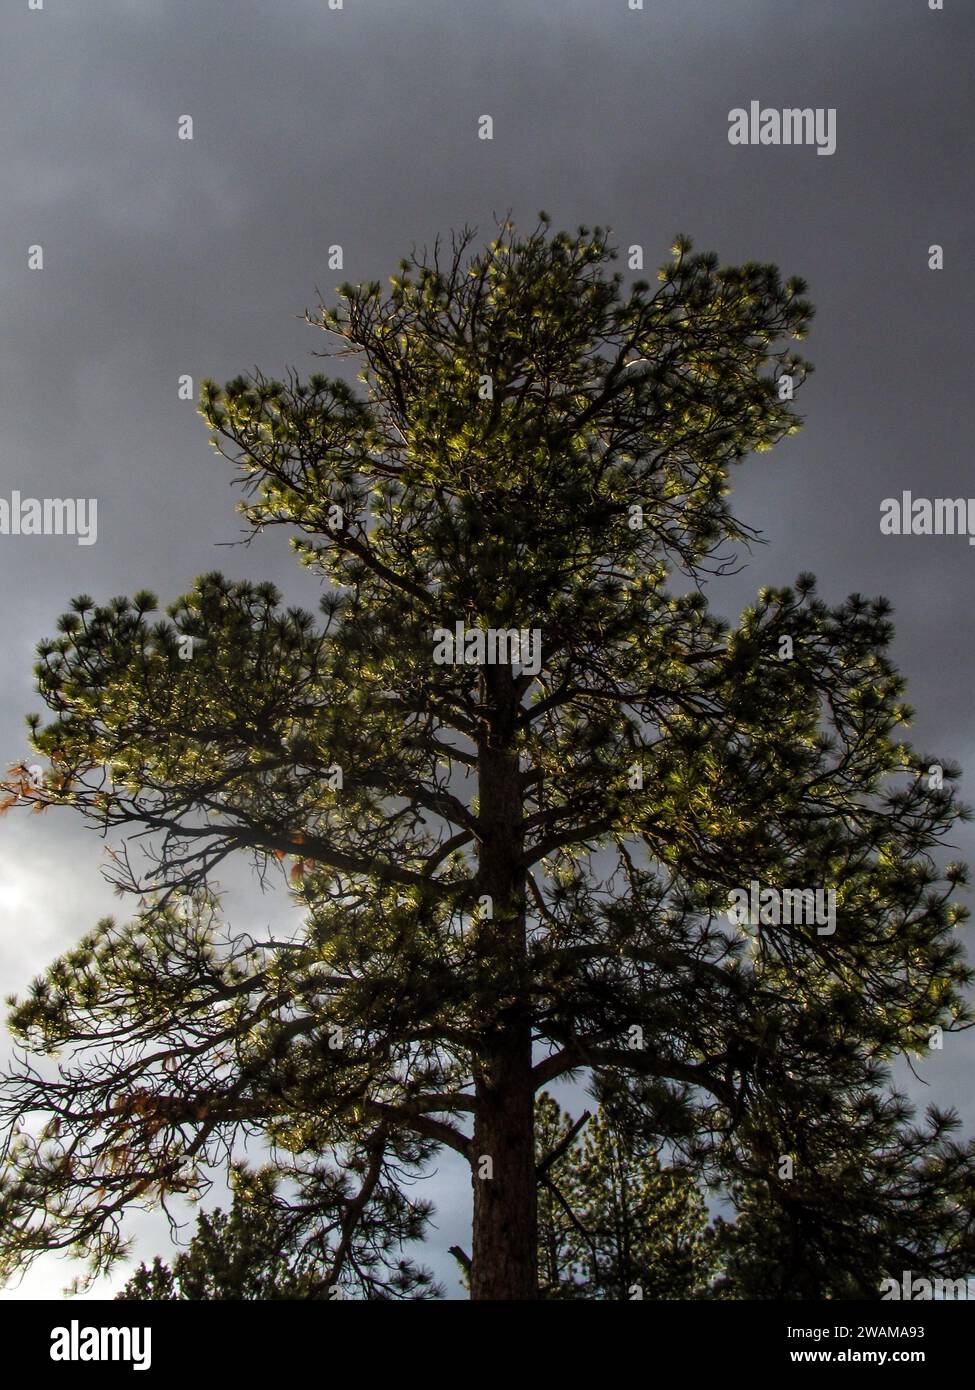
504, 1250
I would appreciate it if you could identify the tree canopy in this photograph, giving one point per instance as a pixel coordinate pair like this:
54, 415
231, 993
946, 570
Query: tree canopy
511, 872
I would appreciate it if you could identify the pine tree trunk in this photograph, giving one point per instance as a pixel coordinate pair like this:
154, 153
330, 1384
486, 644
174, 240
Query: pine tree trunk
504, 1256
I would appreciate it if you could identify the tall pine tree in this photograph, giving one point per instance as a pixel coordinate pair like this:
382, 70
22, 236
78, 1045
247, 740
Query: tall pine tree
511, 775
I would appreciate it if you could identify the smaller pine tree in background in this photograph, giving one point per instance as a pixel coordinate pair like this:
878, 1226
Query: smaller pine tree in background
614, 1223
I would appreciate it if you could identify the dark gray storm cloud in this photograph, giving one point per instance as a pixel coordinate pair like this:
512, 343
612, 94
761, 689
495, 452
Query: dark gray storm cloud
314, 127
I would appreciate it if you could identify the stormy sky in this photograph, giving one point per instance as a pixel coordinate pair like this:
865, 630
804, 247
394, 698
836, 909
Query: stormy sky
358, 127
